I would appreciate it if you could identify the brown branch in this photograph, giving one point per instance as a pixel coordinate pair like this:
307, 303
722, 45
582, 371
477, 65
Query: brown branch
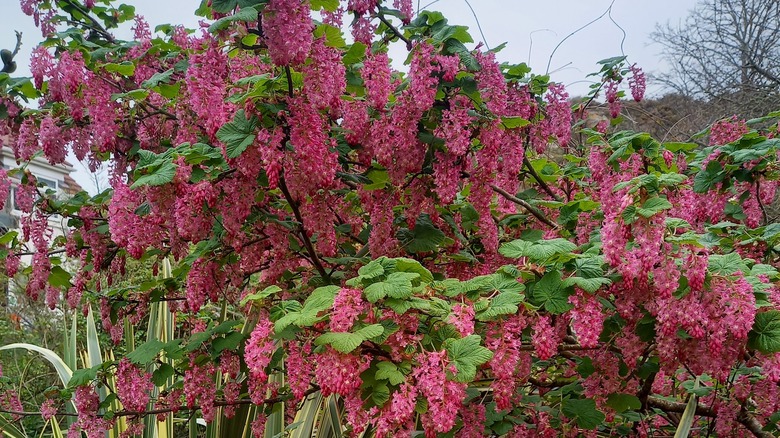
302, 229
538, 179
95, 26
395, 30
744, 418
123, 413
530, 208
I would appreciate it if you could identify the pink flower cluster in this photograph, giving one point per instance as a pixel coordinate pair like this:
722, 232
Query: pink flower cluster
133, 386
445, 397
287, 27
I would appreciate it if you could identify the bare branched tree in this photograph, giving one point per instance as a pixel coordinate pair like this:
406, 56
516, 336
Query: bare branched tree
726, 52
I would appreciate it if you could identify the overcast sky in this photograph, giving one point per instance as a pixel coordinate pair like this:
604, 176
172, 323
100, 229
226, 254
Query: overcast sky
531, 30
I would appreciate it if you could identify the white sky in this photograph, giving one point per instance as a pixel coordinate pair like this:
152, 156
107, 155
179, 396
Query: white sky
531, 30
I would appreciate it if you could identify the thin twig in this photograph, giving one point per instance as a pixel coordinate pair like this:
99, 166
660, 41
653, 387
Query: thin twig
302, 229
395, 30
530, 208
538, 179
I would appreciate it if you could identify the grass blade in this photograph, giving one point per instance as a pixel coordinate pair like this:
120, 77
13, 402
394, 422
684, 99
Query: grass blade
63, 370
686, 421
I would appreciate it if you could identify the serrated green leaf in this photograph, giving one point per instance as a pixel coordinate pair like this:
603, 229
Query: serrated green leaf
514, 122
765, 334
467, 354
539, 250
333, 35
623, 402
258, 296
403, 264
372, 270
371, 331
126, 68
59, 277
389, 371
583, 412
246, 15
707, 178
727, 264
162, 175
146, 352
653, 206
157, 79
238, 134
343, 342
550, 292
425, 237
590, 285
503, 304
162, 373
8, 237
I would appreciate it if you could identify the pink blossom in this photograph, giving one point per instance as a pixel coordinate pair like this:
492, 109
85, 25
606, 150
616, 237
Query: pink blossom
462, 317
637, 83
288, 30
133, 386
48, 409
377, 76
339, 373
544, 338
347, 306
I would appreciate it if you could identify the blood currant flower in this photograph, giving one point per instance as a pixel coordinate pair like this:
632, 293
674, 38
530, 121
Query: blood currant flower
133, 386
287, 27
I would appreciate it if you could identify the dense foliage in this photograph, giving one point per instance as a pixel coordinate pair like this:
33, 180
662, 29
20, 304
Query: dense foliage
429, 249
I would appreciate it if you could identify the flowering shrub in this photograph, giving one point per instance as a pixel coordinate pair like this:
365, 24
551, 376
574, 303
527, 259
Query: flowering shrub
431, 248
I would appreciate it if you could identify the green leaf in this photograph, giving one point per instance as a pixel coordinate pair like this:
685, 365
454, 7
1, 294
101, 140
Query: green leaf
398, 285
623, 402
157, 79
343, 342
590, 285
328, 5
503, 304
146, 352
765, 335
454, 47
59, 277
583, 412
163, 175
539, 250
224, 6
333, 35
514, 122
83, 376
403, 264
247, 15
231, 341
371, 331
389, 371
590, 267
467, 354
259, 296
425, 237
126, 68
161, 375
707, 178
238, 134
727, 264
372, 270
653, 206
551, 293
378, 290
8, 237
